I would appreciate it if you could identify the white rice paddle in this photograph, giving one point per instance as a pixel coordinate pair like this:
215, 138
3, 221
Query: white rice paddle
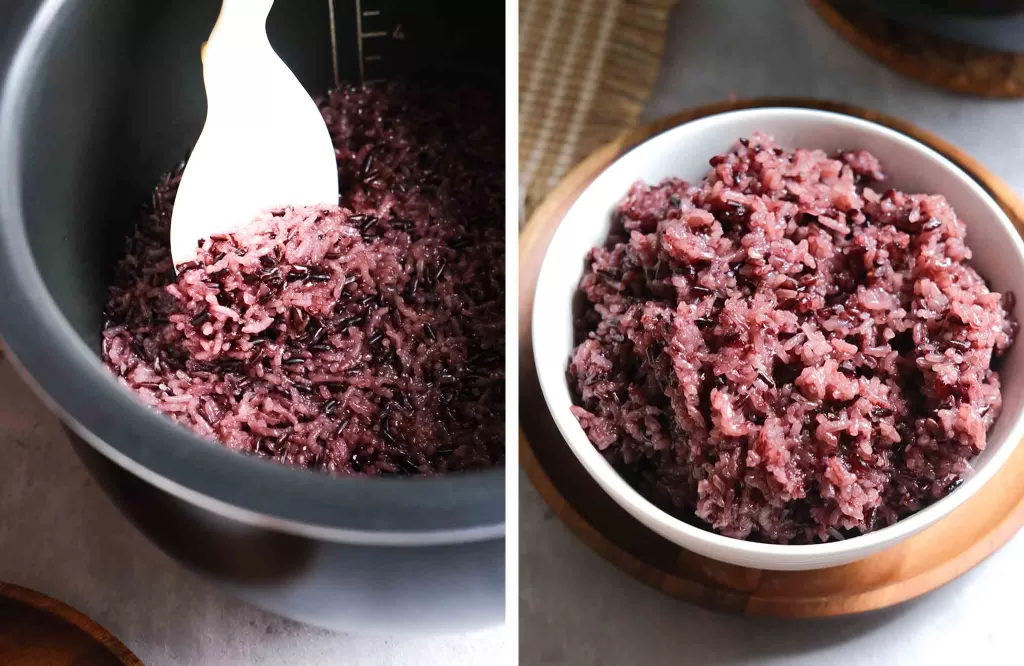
264, 143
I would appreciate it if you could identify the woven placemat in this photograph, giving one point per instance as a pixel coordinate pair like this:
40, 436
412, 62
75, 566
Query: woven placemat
586, 68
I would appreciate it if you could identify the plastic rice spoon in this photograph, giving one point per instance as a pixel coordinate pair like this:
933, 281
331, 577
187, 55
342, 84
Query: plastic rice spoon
264, 143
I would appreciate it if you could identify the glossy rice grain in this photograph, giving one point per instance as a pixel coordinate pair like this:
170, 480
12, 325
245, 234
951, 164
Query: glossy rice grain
787, 351
365, 338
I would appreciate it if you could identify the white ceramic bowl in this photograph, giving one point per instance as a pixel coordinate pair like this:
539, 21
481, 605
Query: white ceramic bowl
684, 151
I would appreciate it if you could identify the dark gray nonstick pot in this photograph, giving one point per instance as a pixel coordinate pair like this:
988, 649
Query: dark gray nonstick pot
99, 98
992, 24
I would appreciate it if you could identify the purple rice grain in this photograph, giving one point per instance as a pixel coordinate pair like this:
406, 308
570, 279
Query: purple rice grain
884, 333
229, 334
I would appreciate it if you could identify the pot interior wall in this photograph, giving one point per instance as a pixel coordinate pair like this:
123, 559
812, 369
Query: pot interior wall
973, 7
118, 99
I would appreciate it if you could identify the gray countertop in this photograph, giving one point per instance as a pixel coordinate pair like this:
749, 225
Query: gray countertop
577, 609
60, 535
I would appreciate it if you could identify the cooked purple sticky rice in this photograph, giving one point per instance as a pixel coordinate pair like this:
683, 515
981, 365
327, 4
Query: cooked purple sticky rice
362, 338
784, 352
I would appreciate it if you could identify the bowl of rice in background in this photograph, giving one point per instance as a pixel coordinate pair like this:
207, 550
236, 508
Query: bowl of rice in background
100, 101
571, 363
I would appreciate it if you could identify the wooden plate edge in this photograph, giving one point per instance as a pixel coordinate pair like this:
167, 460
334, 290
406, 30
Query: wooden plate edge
51, 606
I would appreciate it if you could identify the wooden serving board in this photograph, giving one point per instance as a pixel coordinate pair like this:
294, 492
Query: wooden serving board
918, 565
960, 67
36, 630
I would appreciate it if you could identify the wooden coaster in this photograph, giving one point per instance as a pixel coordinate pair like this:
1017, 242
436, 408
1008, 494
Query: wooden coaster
918, 565
956, 66
36, 630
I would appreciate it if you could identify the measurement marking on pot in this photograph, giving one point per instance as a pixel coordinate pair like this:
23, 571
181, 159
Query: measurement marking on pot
359, 40
383, 28
334, 42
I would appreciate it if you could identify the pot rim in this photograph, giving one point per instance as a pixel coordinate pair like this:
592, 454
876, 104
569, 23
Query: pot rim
72, 380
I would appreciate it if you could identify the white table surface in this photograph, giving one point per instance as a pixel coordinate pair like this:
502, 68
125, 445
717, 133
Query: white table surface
575, 608
60, 535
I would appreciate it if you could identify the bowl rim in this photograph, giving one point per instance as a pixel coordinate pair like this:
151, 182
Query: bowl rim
68, 375
677, 530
